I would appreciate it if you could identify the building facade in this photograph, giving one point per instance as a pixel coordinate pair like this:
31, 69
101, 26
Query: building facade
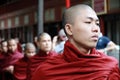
18, 18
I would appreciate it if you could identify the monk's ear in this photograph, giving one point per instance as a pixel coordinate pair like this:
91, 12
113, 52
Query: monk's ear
68, 29
37, 43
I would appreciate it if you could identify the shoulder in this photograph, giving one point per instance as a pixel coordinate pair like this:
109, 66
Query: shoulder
17, 54
47, 66
107, 58
58, 59
37, 59
20, 62
51, 62
1, 56
52, 53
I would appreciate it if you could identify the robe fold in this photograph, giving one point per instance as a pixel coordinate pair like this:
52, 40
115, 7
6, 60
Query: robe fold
74, 65
7, 60
24, 68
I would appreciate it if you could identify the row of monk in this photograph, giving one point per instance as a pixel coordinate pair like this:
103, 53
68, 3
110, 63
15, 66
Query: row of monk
80, 60
16, 64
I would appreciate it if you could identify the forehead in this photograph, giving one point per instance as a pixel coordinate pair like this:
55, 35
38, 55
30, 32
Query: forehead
31, 49
87, 14
4, 43
45, 37
11, 42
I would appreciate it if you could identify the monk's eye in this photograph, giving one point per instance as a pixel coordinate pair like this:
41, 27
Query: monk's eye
87, 22
98, 24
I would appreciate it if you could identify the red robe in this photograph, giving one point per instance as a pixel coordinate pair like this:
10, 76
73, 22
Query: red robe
24, 68
74, 65
8, 60
19, 47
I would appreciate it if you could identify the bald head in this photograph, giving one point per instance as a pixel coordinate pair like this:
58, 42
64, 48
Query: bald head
42, 35
30, 46
81, 24
30, 50
72, 12
44, 42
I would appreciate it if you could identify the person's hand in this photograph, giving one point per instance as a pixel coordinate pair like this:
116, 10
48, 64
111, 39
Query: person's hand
10, 69
103, 50
55, 39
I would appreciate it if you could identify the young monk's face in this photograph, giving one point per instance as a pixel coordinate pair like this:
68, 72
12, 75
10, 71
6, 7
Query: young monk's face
12, 45
30, 52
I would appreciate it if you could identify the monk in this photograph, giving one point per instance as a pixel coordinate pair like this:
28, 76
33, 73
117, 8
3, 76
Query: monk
3, 46
19, 47
25, 67
8, 59
3, 53
44, 44
80, 60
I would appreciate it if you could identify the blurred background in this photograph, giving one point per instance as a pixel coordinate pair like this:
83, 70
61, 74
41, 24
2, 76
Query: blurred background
26, 18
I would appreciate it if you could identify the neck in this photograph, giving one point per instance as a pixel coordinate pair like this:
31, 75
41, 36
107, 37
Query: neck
88, 51
81, 48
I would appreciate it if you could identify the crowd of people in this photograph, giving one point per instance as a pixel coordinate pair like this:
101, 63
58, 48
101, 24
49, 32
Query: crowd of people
71, 55
19, 65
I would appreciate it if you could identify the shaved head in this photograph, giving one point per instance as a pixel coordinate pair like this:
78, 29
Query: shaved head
71, 13
42, 35
44, 42
30, 46
30, 50
80, 24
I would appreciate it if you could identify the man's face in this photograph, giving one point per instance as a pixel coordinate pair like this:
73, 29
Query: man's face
45, 44
4, 47
12, 45
85, 29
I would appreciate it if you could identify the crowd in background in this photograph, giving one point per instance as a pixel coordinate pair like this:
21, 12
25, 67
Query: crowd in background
18, 61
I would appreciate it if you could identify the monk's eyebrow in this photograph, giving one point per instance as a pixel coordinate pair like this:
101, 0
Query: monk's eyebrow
92, 19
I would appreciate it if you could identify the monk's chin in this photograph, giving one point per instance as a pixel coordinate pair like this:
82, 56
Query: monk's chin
93, 46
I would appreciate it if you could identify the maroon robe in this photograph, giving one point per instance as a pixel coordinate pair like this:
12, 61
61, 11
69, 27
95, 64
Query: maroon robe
8, 60
24, 68
74, 65
19, 47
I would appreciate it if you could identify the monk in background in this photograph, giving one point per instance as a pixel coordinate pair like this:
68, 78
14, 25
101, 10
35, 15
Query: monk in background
25, 67
79, 60
3, 53
8, 60
44, 44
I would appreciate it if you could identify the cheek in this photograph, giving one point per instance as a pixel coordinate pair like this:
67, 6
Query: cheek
14, 47
80, 32
50, 43
43, 45
77, 31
